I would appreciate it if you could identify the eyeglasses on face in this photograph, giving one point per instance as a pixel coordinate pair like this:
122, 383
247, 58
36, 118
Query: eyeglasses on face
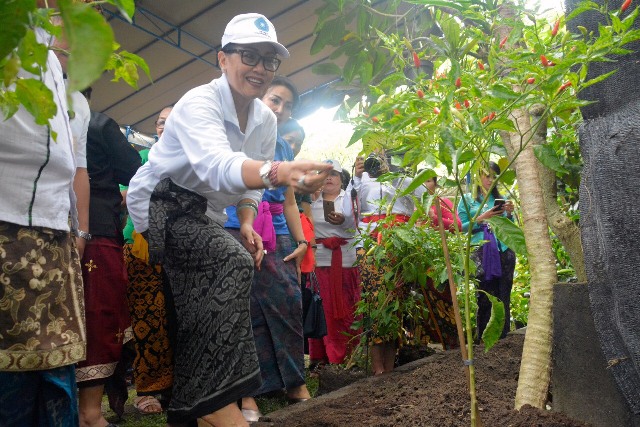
160, 123
251, 59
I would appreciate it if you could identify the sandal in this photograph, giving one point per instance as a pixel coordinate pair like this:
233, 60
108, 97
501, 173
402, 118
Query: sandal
147, 405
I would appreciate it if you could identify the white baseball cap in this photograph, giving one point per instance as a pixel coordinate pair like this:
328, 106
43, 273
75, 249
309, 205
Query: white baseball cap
335, 164
252, 28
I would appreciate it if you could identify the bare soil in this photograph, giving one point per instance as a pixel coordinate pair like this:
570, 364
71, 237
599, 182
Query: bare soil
429, 392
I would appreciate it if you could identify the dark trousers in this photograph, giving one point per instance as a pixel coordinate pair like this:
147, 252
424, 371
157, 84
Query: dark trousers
500, 288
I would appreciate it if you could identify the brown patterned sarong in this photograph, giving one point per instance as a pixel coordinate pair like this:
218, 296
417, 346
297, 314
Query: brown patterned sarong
105, 288
153, 364
41, 303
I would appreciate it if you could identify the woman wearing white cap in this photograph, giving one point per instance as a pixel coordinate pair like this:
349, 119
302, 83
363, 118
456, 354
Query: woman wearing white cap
215, 152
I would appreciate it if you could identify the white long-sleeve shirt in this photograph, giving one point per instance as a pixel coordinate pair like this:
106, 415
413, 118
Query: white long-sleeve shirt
345, 230
202, 149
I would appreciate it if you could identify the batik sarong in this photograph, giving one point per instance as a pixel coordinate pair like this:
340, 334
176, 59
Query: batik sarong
276, 316
210, 274
107, 314
153, 363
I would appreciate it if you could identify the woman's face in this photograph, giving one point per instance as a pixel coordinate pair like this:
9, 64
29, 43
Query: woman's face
294, 139
161, 120
333, 183
247, 82
431, 184
280, 100
487, 180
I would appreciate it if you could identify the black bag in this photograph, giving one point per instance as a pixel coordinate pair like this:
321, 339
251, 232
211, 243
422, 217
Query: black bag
315, 324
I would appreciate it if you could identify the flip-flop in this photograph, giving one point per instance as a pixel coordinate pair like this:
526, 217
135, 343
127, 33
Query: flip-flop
146, 404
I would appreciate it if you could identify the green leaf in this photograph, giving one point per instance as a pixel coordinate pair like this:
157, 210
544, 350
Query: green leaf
9, 104
494, 328
508, 233
326, 68
33, 55
548, 157
14, 18
502, 92
126, 8
597, 79
420, 179
37, 98
88, 59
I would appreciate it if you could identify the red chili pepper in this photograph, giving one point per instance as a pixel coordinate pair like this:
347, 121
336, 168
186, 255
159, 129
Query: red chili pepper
625, 5
503, 41
375, 119
416, 60
420, 93
480, 65
458, 82
458, 106
564, 86
531, 80
544, 60
396, 112
467, 103
488, 117
379, 238
556, 27
436, 110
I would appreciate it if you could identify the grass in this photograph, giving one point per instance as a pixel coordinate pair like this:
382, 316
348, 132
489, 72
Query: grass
132, 418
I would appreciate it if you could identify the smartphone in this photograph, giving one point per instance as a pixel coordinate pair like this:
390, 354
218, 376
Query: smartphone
328, 207
498, 204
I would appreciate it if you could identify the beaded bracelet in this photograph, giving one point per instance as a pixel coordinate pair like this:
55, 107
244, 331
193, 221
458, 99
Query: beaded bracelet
273, 174
247, 205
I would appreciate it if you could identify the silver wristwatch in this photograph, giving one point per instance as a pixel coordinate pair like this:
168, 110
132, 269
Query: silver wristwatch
86, 236
264, 171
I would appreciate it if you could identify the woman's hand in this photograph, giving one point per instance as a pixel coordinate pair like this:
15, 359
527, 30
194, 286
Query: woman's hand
509, 207
253, 243
297, 254
335, 218
304, 176
490, 214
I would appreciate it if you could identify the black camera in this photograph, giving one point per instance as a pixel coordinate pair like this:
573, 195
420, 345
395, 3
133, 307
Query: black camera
373, 165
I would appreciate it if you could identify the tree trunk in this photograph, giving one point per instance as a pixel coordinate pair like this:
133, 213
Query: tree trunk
535, 368
563, 227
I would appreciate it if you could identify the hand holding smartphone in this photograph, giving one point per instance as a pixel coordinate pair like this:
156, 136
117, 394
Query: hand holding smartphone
498, 204
328, 207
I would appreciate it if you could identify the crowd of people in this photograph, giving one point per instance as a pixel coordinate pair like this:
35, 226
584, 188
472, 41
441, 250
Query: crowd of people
224, 230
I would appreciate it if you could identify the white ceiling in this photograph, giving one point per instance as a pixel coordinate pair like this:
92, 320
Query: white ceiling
179, 40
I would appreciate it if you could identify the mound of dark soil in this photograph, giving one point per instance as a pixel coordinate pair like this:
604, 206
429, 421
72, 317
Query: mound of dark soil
429, 392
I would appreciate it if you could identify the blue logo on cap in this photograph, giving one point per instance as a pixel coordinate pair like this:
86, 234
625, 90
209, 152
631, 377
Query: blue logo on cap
262, 25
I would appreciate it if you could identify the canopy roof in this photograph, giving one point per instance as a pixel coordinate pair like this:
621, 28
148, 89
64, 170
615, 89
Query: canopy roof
180, 39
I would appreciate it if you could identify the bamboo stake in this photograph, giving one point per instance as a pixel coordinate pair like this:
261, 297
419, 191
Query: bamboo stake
470, 369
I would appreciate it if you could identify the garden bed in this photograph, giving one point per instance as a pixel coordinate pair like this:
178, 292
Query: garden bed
429, 392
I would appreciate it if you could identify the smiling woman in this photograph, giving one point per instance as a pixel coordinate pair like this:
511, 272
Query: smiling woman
216, 150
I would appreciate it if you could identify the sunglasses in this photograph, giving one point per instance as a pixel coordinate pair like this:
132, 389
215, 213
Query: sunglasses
251, 59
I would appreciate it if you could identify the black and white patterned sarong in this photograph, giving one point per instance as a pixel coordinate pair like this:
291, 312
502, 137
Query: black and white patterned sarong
210, 275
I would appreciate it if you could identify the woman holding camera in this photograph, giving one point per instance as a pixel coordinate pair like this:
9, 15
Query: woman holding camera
494, 260
374, 198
